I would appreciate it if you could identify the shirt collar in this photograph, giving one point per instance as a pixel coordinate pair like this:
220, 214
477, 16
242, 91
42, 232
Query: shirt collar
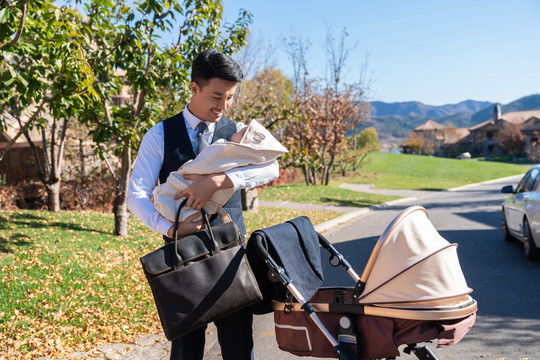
193, 121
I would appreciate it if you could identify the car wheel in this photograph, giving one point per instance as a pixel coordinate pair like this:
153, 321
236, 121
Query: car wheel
531, 251
506, 233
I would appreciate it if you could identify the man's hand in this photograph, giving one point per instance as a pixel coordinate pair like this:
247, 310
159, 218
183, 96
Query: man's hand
187, 227
202, 188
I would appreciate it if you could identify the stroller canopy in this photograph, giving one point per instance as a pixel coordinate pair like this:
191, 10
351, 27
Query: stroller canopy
413, 265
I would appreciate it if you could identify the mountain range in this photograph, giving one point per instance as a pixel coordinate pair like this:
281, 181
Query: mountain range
394, 121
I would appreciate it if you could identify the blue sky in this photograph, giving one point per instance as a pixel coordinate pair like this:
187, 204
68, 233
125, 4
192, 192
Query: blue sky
436, 52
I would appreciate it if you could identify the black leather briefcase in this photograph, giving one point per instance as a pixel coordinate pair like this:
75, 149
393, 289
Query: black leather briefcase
200, 278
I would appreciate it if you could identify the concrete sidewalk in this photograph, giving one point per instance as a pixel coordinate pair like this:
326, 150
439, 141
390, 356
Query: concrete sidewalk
156, 346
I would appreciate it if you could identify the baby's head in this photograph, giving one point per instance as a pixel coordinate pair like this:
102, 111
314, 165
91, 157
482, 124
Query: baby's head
237, 137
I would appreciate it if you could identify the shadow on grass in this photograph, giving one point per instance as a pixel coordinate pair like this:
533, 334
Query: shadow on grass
7, 222
76, 227
38, 222
18, 240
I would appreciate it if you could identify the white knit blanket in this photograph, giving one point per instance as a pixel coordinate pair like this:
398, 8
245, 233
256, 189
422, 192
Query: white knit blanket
257, 147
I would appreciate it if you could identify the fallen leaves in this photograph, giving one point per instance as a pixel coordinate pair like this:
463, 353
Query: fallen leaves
73, 287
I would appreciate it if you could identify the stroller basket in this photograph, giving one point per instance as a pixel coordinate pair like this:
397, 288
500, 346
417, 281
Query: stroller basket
412, 290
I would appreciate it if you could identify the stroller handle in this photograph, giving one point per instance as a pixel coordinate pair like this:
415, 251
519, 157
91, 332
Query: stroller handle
336, 258
275, 272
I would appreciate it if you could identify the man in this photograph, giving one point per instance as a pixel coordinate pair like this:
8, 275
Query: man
170, 144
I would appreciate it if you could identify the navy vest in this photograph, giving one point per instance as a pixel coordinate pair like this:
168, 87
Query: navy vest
178, 150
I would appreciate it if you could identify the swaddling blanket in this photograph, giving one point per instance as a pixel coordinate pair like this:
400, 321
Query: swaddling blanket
257, 147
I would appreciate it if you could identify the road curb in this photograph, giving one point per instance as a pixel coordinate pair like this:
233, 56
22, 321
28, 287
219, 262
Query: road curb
363, 211
327, 225
464, 187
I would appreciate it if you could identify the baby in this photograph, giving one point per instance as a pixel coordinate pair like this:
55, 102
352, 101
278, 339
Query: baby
253, 145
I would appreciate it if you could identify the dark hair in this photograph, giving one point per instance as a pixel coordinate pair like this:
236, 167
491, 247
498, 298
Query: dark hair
211, 64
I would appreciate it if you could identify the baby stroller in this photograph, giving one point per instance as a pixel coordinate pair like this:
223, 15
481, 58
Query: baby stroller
412, 291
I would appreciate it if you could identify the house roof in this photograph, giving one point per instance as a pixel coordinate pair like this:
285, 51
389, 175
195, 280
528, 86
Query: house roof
429, 125
518, 117
481, 125
453, 136
531, 129
514, 117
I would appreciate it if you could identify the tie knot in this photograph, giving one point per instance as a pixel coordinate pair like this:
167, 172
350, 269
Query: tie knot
202, 127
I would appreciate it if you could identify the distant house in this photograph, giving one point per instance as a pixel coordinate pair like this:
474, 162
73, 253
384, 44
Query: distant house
18, 163
484, 138
124, 97
431, 129
438, 139
479, 140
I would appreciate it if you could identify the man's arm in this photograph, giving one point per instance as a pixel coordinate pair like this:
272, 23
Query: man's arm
248, 177
144, 178
143, 181
204, 186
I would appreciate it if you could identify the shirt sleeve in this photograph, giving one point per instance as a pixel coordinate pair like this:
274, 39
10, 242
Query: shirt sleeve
248, 177
251, 176
144, 178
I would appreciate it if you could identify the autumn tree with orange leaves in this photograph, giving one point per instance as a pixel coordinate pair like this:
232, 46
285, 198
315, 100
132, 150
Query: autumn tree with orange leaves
321, 116
511, 138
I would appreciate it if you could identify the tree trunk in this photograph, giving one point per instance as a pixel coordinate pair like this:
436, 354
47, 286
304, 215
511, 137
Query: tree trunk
53, 196
312, 176
325, 175
309, 175
306, 175
120, 217
119, 205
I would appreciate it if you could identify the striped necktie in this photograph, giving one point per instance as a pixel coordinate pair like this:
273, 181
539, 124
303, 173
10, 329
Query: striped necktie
200, 141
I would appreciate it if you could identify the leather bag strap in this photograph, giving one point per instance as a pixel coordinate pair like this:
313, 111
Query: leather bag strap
214, 246
177, 259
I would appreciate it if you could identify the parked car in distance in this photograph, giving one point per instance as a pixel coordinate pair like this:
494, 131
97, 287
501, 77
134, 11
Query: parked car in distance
521, 213
465, 155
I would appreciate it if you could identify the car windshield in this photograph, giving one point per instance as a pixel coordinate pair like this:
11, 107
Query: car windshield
529, 181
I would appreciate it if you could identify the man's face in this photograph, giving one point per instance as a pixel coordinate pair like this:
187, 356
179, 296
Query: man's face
210, 102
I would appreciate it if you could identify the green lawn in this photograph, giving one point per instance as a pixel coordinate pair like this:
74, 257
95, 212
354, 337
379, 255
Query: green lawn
394, 171
330, 195
67, 284
401, 171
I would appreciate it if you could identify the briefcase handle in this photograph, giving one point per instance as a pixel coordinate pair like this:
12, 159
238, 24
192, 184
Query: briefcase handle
214, 246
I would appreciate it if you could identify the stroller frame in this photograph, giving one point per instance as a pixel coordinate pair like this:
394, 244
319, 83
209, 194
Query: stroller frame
346, 342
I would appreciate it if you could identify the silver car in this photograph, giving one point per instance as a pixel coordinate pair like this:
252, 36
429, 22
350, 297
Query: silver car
521, 213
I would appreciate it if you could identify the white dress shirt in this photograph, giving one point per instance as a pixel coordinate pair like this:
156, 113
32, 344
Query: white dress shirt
147, 166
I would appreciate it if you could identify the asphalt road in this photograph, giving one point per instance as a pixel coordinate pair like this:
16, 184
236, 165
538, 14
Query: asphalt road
505, 284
